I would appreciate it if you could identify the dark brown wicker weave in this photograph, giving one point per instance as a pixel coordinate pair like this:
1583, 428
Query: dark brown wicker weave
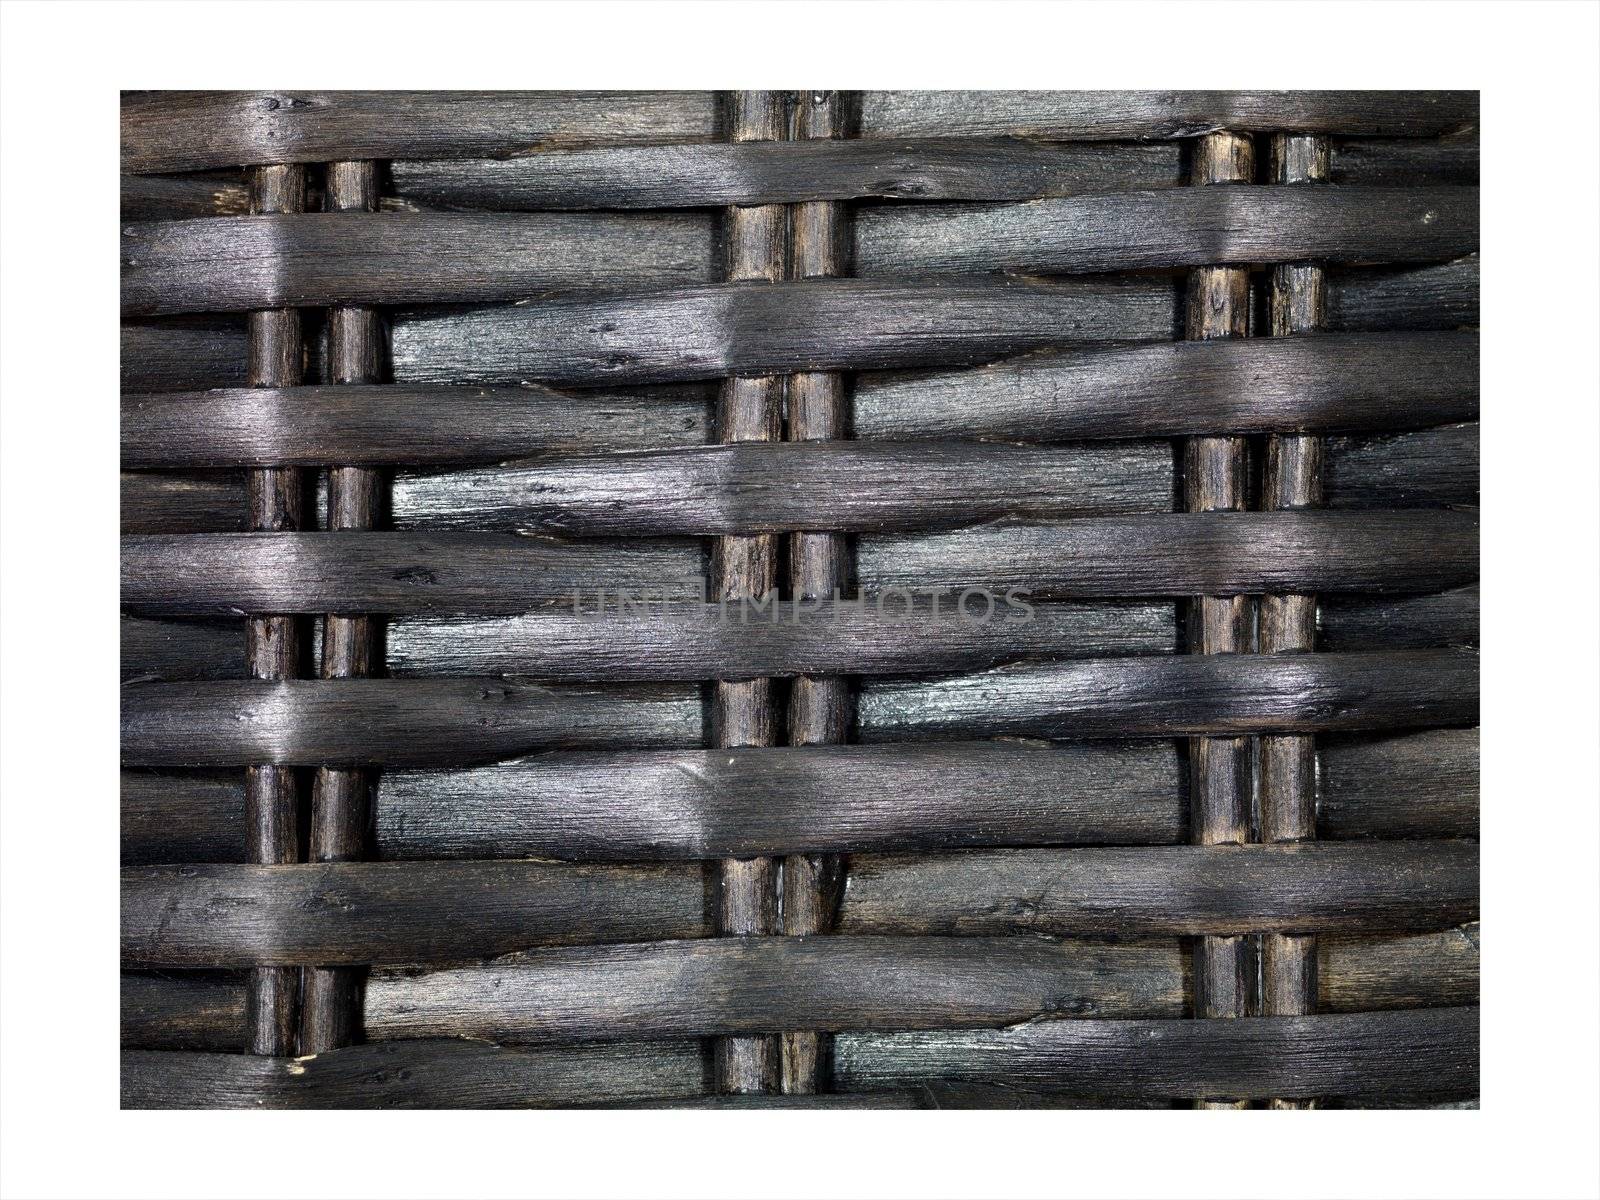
1173, 388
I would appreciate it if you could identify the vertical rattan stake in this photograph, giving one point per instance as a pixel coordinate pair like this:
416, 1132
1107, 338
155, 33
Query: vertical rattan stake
1291, 478
1217, 478
819, 566
272, 798
749, 410
331, 1014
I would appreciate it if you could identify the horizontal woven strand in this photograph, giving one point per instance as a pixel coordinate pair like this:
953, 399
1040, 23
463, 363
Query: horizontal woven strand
900, 636
791, 800
1439, 796
1176, 554
168, 355
1286, 385
231, 264
223, 574
1417, 970
1314, 384
457, 911
716, 173
464, 721
1437, 296
710, 174
182, 650
1181, 227
1423, 1053
1102, 115
1404, 162
758, 487
1302, 887
1405, 623
1355, 973
883, 797
328, 914
186, 131
1418, 467
210, 502
1154, 554
372, 722
728, 986
444, 1073
181, 818
394, 424
1155, 696
771, 328
234, 264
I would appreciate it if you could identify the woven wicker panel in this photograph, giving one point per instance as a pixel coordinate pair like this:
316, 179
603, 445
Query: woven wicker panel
892, 599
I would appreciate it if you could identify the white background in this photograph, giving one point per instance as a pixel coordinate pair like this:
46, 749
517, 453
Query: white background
62, 1132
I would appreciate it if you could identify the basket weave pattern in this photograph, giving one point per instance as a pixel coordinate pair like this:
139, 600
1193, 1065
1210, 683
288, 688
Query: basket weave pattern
889, 599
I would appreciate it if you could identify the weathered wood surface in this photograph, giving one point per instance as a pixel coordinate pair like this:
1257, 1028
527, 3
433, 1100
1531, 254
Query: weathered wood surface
1153, 554
780, 639
1175, 554
1425, 1053
223, 574
1438, 296
694, 175
182, 818
1306, 384
180, 650
1158, 696
212, 502
191, 1010
1420, 970
638, 805
443, 1073
1305, 887
1181, 227
398, 425
768, 328
1403, 470
376, 722
1221, 386
327, 914
1402, 623
172, 355
764, 487
1115, 115
1405, 162
185, 131
729, 986
1421, 784
234, 264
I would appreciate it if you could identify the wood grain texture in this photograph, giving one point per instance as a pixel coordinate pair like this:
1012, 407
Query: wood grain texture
1158, 890
779, 640
1439, 296
754, 985
385, 572
1116, 115
788, 800
327, 914
1402, 623
1429, 1053
694, 175
188, 1010
181, 818
1226, 222
185, 131
1238, 386
764, 328
400, 425
756, 487
180, 650
1422, 784
232, 264
1422, 467
1193, 694
1436, 969
375, 722
444, 1073
1175, 554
